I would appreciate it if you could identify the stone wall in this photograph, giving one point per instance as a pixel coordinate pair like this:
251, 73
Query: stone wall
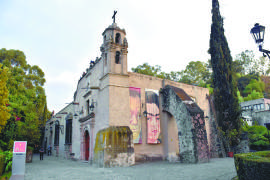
216, 147
242, 147
201, 144
193, 146
114, 147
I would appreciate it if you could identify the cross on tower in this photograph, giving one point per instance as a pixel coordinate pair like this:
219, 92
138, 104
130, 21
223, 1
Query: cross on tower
113, 17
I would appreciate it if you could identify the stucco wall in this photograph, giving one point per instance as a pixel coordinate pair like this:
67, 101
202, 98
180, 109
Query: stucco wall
262, 117
119, 100
149, 82
61, 117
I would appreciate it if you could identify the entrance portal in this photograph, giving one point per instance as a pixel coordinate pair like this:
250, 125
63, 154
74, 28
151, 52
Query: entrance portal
86, 145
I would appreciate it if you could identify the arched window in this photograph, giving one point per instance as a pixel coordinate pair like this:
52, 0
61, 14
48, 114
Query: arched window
56, 133
117, 38
117, 57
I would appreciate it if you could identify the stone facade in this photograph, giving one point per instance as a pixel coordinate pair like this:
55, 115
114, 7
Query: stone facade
102, 100
192, 137
114, 147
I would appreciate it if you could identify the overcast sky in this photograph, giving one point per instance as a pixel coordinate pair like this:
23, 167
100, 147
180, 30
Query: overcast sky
62, 36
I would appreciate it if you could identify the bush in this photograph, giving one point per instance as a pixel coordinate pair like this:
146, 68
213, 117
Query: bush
8, 160
30, 148
252, 166
258, 136
5, 161
2, 162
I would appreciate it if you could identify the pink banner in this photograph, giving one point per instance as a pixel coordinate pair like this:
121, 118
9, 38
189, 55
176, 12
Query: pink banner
153, 116
20, 146
135, 114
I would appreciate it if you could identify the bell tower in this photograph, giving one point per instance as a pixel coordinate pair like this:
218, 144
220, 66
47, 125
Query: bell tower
114, 50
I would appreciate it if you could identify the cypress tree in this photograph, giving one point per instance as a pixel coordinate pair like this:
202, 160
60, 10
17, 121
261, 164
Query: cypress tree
225, 89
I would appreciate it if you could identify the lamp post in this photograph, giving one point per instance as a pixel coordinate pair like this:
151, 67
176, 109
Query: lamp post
92, 106
258, 34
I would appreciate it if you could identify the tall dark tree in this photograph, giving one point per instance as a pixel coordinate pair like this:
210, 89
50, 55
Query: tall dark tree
225, 89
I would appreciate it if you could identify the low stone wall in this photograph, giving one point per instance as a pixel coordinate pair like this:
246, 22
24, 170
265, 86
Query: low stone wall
253, 166
114, 147
243, 147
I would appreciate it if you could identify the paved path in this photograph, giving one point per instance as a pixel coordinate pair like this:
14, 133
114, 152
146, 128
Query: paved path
61, 169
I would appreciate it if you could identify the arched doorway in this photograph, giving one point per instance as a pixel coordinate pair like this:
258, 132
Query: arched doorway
86, 145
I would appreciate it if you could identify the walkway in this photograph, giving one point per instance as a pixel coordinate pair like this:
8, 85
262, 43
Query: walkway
58, 168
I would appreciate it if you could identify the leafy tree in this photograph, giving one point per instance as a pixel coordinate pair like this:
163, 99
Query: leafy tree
266, 80
254, 85
258, 136
240, 98
175, 76
253, 95
151, 71
245, 63
244, 80
4, 112
27, 98
196, 72
263, 66
225, 89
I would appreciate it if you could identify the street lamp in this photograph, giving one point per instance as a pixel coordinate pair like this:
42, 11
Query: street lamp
92, 106
258, 34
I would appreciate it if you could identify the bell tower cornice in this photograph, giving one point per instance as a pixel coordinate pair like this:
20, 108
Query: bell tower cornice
114, 27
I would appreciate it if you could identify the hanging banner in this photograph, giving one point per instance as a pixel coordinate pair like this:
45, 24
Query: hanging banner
135, 114
153, 116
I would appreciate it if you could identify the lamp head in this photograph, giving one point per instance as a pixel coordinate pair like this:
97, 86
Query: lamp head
258, 33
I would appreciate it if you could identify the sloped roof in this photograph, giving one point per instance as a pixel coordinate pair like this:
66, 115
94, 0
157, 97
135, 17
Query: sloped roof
186, 99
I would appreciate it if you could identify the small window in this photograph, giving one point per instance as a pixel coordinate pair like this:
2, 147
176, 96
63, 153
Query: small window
105, 59
262, 106
104, 38
87, 106
117, 57
117, 38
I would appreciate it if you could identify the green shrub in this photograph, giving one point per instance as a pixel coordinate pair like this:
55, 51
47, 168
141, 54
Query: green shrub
252, 166
5, 161
8, 160
30, 148
2, 162
258, 136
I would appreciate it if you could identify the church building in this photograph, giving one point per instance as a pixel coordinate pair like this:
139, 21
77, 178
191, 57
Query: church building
161, 119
